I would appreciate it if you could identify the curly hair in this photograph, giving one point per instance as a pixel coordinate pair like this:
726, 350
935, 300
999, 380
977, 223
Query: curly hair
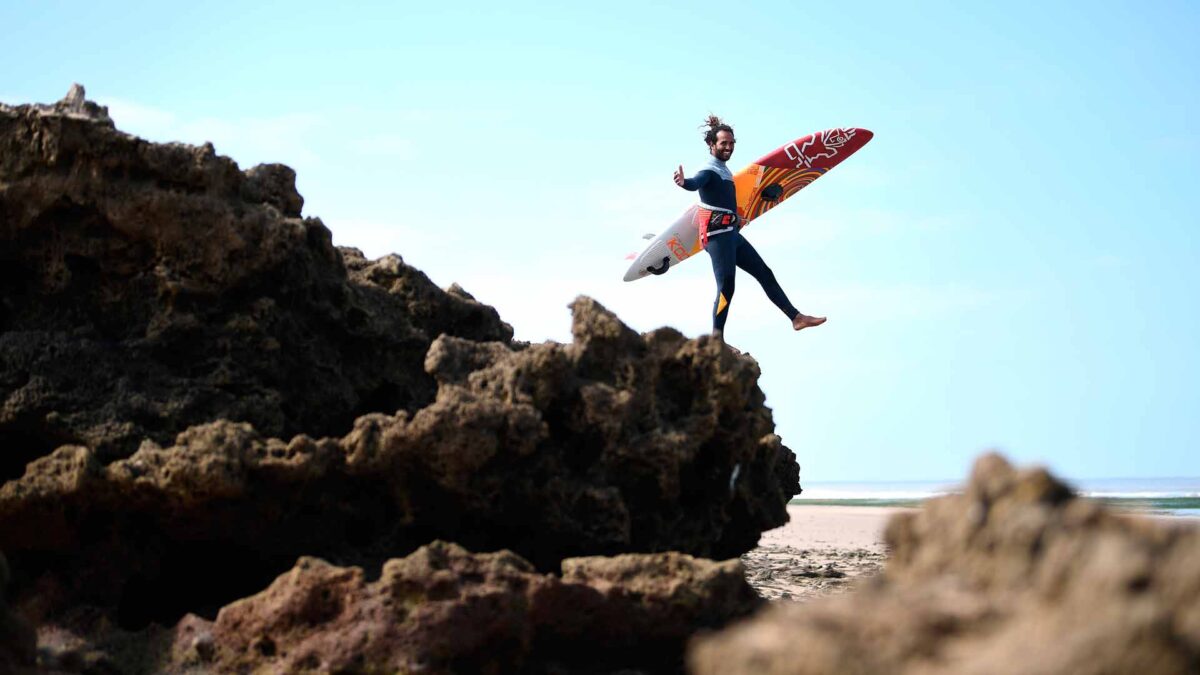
714, 125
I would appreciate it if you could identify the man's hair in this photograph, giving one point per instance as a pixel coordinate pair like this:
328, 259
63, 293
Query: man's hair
714, 125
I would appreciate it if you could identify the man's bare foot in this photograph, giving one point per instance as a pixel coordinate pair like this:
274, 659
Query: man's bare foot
803, 321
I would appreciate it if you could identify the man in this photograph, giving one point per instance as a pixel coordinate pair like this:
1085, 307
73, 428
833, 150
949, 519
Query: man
720, 231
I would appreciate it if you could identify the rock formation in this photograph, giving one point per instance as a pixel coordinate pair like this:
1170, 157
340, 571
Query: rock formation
1016, 574
518, 451
199, 389
148, 288
444, 610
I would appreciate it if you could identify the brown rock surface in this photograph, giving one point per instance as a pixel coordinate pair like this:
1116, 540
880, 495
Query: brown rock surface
1014, 575
146, 288
520, 453
441, 610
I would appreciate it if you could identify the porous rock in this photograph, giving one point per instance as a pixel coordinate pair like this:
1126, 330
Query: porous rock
146, 288
443, 609
518, 450
75, 104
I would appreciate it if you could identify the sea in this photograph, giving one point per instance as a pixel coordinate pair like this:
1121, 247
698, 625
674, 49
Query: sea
1179, 497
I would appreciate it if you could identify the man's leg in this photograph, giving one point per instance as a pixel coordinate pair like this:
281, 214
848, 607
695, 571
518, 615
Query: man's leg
749, 260
722, 248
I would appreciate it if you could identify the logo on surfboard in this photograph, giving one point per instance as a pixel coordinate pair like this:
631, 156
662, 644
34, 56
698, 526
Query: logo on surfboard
823, 145
677, 248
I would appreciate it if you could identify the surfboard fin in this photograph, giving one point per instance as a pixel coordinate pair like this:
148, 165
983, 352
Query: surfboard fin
661, 269
648, 236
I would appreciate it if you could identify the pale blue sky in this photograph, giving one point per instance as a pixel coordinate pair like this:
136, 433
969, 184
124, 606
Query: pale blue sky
1010, 264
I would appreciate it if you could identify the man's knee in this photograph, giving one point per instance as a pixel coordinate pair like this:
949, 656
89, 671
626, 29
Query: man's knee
765, 276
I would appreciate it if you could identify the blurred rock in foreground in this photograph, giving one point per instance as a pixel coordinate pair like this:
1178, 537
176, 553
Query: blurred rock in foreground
1015, 575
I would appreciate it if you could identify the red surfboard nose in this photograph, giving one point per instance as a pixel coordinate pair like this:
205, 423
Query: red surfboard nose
820, 151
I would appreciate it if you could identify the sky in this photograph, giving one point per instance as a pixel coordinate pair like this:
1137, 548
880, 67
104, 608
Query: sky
1010, 264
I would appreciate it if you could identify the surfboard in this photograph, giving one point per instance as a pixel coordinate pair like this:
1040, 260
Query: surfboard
768, 182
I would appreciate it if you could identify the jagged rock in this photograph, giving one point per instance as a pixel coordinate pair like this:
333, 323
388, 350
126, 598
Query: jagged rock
444, 610
146, 288
517, 451
273, 184
650, 595
1016, 574
74, 105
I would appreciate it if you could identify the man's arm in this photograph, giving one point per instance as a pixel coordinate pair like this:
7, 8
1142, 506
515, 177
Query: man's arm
695, 182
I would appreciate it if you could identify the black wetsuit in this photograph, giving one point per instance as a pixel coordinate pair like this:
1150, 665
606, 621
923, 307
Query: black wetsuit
726, 245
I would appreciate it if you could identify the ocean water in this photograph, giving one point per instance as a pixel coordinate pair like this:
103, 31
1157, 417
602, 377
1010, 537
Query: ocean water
1162, 496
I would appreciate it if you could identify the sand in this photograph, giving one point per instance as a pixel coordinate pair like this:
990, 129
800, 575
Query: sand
823, 550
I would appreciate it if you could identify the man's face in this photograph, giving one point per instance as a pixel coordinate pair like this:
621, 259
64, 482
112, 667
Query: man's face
722, 149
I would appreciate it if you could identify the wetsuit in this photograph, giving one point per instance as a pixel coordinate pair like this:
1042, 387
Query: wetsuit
725, 243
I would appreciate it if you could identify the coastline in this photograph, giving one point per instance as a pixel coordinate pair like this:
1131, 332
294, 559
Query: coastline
828, 526
826, 549
822, 550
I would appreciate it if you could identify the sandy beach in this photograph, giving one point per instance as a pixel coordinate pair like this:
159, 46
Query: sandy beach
822, 550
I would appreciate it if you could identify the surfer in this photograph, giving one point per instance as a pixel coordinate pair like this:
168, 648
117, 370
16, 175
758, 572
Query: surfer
720, 232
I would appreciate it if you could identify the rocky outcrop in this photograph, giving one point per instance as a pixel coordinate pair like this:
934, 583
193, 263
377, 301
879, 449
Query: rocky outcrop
444, 610
1016, 574
670, 450
74, 105
146, 288
199, 389
439, 610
